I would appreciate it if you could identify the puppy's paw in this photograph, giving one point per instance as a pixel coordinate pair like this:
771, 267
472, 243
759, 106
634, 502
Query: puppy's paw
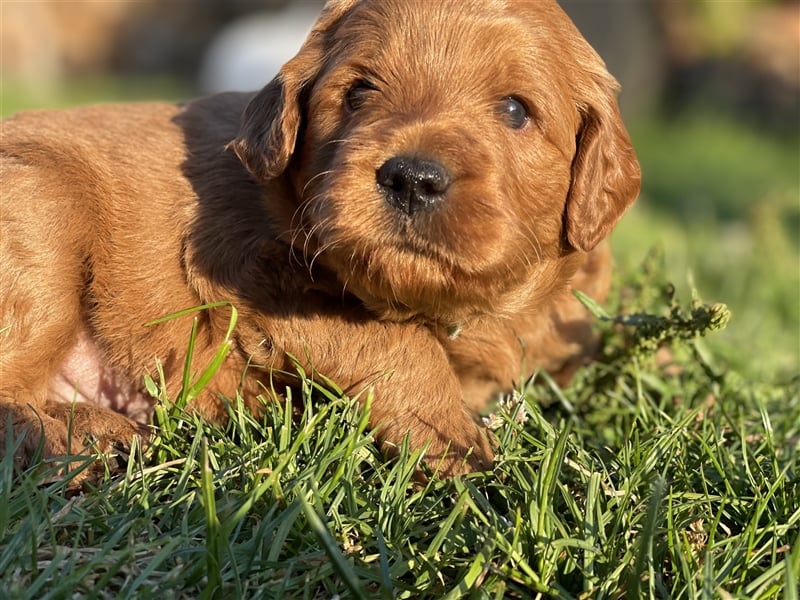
61, 429
458, 448
31, 429
97, 428
468, 450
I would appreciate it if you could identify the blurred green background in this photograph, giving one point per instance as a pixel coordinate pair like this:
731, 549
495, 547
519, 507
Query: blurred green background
711, 95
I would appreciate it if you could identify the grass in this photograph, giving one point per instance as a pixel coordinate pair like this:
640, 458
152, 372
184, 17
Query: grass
644, 478
653, 475
20, 95
723, 200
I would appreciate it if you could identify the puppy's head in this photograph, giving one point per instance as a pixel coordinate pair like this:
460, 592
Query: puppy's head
448, 157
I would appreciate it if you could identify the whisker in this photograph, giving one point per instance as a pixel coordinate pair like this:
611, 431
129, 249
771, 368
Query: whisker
320, 250
314, 178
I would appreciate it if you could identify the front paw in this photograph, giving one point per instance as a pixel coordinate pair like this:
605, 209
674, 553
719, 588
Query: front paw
468, 449
454, 446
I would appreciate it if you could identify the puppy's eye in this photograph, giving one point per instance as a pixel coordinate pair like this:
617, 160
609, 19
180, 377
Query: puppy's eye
357, 95
514, 112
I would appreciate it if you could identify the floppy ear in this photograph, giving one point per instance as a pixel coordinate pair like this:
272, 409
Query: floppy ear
605, 176
271, 121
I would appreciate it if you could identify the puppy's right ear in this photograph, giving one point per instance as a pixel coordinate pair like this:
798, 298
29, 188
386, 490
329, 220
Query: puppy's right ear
271, 121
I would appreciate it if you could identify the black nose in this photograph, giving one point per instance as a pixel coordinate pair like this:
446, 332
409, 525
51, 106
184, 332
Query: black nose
413, 185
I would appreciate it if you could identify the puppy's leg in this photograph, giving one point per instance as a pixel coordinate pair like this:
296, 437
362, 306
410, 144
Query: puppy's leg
41, 282
421, 395
43, 239
415, 389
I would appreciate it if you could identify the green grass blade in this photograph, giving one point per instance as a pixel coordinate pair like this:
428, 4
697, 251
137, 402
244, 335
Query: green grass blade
340, 565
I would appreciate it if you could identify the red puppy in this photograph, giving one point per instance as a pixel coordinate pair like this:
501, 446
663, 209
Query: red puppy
406, 206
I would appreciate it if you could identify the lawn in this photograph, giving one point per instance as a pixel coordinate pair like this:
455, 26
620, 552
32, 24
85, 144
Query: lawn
663, 474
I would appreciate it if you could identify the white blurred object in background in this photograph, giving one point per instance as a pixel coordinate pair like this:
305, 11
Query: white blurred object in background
249, 52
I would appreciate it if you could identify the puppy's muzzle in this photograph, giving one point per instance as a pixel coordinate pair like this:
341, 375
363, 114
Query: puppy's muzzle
413, 185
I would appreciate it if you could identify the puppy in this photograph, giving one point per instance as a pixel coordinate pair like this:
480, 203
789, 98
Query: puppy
406, 207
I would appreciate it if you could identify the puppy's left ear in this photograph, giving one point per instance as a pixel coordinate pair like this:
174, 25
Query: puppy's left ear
271, 121
605, 176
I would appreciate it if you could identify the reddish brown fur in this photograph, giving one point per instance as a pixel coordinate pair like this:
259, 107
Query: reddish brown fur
113, 216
